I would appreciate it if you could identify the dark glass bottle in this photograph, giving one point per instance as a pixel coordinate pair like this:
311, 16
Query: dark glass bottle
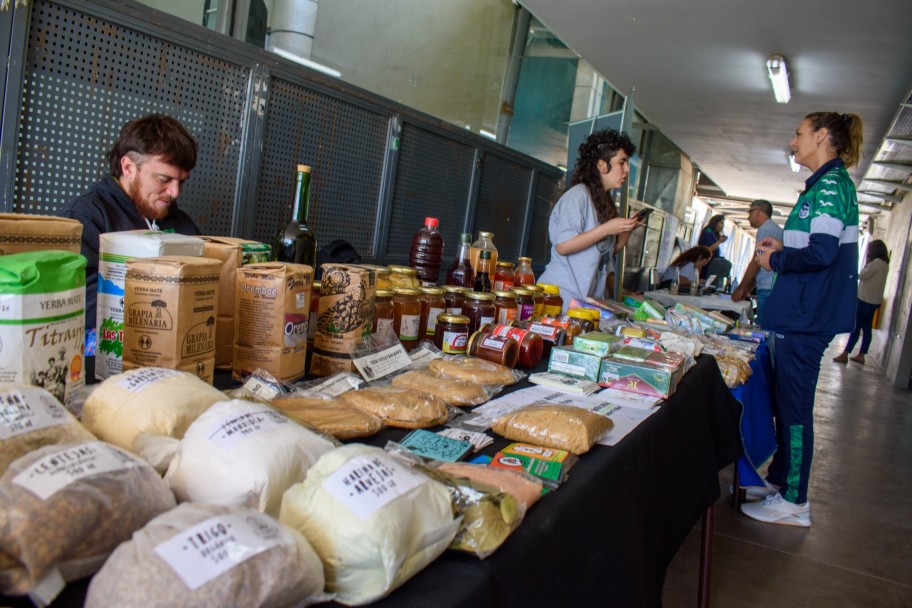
426, 253
483, 277
296, 242
460, 272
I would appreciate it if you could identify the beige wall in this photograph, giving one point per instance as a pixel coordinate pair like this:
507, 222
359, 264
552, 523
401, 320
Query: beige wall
191, 10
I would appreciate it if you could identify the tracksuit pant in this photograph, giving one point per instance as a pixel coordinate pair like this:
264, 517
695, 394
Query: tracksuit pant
796, 366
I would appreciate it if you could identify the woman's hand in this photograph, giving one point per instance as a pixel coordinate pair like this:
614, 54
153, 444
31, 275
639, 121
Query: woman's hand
765, 248
620, 225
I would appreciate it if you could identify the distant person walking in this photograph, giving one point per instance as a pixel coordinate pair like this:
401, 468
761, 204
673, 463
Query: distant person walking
871, 282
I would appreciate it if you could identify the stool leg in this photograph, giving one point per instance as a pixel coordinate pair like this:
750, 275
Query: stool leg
706, 543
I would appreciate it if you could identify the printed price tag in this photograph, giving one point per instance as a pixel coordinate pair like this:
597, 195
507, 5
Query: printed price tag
367, 483
145, 377
220, 543
382, 363
229, 431
27, 410
422, 357
338, 384
261, 389
52, 473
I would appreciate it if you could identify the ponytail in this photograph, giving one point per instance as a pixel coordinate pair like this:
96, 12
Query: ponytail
846, 133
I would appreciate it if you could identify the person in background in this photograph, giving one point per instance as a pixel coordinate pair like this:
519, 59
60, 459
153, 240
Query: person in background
813, 299
688, 265
150, 161
759, 215
711, 236
871, 282
585, 228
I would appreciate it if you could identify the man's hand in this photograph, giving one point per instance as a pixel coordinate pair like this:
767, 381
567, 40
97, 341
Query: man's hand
739, 294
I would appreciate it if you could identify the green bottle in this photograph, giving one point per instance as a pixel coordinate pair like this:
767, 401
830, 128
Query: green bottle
295, 242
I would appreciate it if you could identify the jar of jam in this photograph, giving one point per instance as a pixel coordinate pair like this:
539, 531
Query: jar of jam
454, 296
406, 315
551, 335
522, 274
479, 308
503, 277
565, 322
530, 343
554, 303
496, 349
595, 316
538, 295
583, 319
451, 335
432, 304
505, 308
403, 276
525, 303
383, 310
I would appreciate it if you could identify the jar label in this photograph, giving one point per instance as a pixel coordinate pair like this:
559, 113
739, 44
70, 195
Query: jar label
510, 332
432, 320
484, 320
384, 324
526, 311
454, 311
506, 314
546, 331
454, 342
494, 342
408, 327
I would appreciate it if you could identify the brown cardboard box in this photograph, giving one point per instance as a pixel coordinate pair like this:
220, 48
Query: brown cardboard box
233, 253
25, 232
345, 315
170, 303
272, 307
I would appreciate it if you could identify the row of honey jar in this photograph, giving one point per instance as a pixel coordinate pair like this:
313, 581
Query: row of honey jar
505, 276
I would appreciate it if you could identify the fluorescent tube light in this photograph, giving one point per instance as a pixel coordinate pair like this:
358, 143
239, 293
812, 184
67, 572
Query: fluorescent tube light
307, 62
778, 75
487, 134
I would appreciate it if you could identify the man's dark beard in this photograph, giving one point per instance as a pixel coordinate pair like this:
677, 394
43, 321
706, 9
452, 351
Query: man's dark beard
148, 211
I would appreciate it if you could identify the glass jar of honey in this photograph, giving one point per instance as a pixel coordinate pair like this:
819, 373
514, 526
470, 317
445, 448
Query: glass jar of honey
554, 303
454, 296
538, 296
522, 274
383, 310
503, 277
479, 308
582, 318
451, 335
505, 308
496, 349
432, 304
406, 315
403, 276
525, 303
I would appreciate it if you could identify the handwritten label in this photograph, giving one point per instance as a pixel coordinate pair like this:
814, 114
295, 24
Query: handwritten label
49, 475
364, 484
28, 409
229, 431
208, 549
141, 379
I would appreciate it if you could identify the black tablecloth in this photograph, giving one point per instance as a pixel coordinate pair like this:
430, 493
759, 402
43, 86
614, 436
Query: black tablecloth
608, 534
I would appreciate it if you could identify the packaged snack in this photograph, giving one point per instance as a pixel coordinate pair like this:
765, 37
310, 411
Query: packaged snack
399, 407
562, 427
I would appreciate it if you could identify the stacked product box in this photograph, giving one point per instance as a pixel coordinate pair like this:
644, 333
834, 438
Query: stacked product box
642, 371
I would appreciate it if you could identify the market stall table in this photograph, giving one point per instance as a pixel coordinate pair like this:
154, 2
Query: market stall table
608, 534
708, 302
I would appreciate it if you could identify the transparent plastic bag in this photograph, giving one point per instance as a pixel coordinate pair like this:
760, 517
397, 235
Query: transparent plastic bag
331, 416
478, 371
561, 427
452, 392
399, 407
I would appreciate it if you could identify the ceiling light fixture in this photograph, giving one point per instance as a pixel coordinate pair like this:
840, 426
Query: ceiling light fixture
778, 75
794, 164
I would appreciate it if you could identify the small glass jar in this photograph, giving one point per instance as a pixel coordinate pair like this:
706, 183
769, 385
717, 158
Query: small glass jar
505, 308
454, 296
479, 308
551, 335
522, 274
403, 276
383, 310
496, 349
503, 277
566, 323
594, 316
451, 335
582, 318
538, 295
485, 242
554, 303
525, 303
694, 288
406, 315
530, 343
432, 304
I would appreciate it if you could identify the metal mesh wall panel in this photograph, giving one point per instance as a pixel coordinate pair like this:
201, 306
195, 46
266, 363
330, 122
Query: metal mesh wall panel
501, 208
433, 178
86, 77
344, 143
548, 189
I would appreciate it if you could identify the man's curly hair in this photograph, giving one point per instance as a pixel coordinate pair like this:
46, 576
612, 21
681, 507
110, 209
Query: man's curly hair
601, 145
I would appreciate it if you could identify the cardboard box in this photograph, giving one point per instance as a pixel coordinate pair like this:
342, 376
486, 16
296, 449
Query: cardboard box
565, 360
20, 232
657, 378
598, 343
233, 253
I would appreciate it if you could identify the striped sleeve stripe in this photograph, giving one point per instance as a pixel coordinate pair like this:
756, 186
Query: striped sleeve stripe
796, 239
849, 235
827, 224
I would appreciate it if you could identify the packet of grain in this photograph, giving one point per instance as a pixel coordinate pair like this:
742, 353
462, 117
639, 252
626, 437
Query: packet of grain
170, 305
273, 304
233, 253
20, 232
42, 327
345, 316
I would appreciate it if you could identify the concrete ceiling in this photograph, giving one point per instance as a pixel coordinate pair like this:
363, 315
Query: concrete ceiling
699, 74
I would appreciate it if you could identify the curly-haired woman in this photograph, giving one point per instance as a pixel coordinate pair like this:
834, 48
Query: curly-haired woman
585, 228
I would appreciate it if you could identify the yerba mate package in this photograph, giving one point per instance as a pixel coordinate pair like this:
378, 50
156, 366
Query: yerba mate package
345, 316
21, 232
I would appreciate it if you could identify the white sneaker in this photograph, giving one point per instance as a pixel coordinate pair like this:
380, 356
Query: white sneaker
776, 510
755, 493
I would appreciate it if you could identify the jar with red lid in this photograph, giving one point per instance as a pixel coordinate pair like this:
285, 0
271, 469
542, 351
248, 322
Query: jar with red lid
503, 277
525, 303
538, 295
522, 274
406, 315
554, 303
451, 335
505, 308
496, 349
432, 304
383, 310
530, 343
551, 335
479, 308
454, 296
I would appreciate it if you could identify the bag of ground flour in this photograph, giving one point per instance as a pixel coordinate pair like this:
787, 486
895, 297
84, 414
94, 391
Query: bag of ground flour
42, 330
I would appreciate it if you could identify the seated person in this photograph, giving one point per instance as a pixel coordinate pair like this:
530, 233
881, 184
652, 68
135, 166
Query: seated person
688, 265
150, 161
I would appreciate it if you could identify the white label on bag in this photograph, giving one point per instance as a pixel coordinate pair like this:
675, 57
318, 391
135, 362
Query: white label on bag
210, 548
47, 476
382, 363
336, 385
364, 484
143, 378
261, 389
28, 410
229, 431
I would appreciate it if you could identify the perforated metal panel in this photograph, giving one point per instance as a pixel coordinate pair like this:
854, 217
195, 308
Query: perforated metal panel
433, 178
501, 207
344, 143
86, 77
548, 189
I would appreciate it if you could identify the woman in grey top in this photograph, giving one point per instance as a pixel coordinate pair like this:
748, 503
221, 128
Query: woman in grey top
871, 282
585, 228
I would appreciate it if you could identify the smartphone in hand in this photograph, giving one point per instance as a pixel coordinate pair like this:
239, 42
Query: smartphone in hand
642, 214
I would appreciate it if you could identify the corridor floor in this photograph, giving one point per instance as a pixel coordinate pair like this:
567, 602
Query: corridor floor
858, 550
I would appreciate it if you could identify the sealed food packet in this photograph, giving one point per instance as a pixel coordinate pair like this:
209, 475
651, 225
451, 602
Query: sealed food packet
399, 407
562, 427
479, 371
373, 520
64, 508
201, 556
526, 488
451, 392
330, 416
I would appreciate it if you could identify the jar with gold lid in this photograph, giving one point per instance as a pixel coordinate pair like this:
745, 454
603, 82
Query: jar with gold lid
497, 349
505, 308
383, 310
406, 315
454, 296
503, 277
479, 308
451, 334
432, 304
538, 295
382, 274
403, 276
525, 303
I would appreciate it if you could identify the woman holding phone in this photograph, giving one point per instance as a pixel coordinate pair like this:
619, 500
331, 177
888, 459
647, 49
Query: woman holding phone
585, 228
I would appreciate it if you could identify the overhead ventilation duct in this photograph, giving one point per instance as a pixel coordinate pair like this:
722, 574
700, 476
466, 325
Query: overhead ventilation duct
293, 24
